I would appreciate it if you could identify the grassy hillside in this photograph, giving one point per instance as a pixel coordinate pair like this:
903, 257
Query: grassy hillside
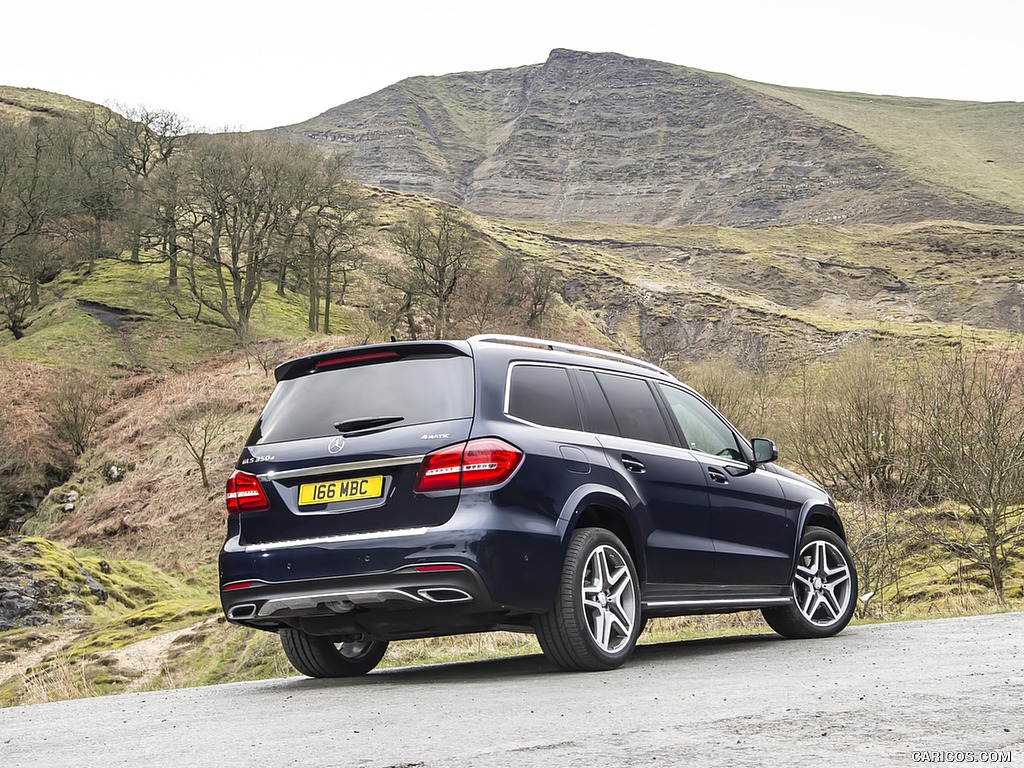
26, 103
804, 289
977, 148
122, 316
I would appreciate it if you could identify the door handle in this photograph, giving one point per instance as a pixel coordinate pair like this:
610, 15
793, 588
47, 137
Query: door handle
718, 476
633, 465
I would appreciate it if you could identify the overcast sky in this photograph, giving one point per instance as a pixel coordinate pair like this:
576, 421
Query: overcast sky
252, 64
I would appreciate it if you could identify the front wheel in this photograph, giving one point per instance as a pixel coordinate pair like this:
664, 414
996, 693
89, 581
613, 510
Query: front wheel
595, 619
323, 657
824, 589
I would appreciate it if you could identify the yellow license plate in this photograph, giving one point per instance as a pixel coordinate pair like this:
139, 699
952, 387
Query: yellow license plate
341, 490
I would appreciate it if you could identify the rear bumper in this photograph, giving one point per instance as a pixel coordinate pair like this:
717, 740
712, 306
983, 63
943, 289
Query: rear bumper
271, 605
484, 567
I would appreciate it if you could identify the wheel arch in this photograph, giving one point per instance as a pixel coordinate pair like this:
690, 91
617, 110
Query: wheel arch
823, 516
600, 507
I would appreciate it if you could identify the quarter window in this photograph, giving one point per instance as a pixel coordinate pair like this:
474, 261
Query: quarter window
543, 395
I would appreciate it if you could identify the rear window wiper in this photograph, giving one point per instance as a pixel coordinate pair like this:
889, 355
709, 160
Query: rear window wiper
365, 422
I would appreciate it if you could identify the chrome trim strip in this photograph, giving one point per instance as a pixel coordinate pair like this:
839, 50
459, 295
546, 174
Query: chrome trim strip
339, 602
730, 601
335, 539
354, 466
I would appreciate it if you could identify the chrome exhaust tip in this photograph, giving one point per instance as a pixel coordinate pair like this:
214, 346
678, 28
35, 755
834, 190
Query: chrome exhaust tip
243, 611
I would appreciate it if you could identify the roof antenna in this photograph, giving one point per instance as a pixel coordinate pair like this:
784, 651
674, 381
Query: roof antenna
393, 338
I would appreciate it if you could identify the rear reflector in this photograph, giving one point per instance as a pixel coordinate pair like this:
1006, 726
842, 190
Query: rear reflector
476, 464
437, 568
237, 585
245, 494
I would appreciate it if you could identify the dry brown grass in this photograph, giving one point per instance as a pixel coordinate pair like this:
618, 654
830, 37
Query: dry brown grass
158, 510
30, 456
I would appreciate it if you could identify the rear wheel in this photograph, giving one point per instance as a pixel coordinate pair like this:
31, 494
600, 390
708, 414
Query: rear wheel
824, 589
595, 619
323, 657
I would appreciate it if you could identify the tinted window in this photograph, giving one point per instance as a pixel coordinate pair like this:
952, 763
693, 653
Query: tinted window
703, 429
420, 390
635, 410
543, 395
599, 417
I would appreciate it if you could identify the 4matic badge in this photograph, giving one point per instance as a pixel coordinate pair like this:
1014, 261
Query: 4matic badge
443, 436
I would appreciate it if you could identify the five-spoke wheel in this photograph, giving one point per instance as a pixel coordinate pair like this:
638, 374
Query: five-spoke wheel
595, 619
824, 588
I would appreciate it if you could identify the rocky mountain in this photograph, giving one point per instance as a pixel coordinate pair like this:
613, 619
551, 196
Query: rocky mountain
605, 137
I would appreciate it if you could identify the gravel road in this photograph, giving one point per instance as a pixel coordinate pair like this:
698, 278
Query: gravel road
885, 695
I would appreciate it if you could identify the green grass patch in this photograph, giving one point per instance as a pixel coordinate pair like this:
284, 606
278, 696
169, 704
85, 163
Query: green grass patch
973, 147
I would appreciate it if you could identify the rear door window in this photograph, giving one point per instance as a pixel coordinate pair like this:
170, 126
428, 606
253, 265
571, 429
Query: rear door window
419, 390
635, 408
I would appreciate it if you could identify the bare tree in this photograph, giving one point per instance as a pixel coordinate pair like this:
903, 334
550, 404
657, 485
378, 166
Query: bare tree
139, 140
168, 214
198, 427
99, 185
234, 196
543, 282
36, 201
439, 252
332, 229
969, 410
511, 295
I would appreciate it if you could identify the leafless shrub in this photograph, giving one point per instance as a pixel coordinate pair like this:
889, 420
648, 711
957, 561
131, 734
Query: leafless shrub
198, 426
77, 400
968, 410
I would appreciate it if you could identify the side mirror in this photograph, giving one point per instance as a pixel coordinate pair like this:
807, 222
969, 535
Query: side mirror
764, 450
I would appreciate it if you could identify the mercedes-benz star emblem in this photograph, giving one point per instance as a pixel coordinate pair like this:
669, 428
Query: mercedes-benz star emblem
336, 445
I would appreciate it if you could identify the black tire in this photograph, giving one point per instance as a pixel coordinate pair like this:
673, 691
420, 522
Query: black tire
824, 589
595, 619
323, 657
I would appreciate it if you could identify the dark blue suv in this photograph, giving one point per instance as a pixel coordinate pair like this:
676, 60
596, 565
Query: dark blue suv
417, 489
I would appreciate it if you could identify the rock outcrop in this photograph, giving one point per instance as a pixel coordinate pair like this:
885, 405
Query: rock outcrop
605, 137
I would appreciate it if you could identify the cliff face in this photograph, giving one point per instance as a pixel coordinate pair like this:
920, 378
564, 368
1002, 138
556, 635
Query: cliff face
605, 137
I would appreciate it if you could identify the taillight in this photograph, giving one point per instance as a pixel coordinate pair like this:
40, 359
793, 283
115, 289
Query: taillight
478, 463
245, 494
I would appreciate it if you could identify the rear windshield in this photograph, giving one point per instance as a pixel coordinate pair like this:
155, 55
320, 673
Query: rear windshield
419, 390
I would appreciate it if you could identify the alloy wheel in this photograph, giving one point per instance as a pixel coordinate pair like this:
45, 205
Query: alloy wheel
609, 599
822, 584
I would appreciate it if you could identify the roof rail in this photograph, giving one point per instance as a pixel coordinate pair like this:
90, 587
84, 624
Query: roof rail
558, 346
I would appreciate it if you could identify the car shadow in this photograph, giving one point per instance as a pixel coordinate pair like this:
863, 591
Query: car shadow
526, 667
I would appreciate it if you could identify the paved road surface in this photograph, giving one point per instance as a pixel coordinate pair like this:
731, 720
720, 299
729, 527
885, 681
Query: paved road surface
875, 695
